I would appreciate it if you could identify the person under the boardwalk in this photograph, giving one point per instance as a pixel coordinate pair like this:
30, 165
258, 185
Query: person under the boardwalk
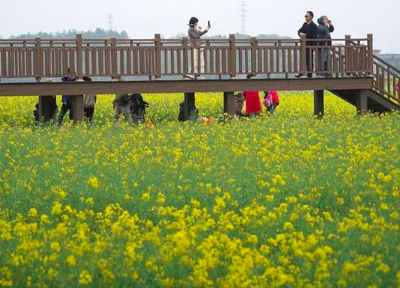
252, 101
271, 101
138, 108
89, 101
122, 105
239, 103
52, 107
195, 32
66, 103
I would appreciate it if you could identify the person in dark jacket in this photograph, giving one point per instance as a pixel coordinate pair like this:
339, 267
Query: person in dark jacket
310, 31
138, 108
66, 103
325, 28
122, 103
49, 109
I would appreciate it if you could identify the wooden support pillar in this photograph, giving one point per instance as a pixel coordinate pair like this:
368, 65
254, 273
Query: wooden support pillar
362, 102
319, 103
46, 108
190, 104
229, 103
77, 107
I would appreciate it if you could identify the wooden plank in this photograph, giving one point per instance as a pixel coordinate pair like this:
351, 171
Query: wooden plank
179, 61
266, 61
166, 58
129, 61
290, 60
95, 66
136, 62
87, 61
11, 62
246, 57
240, 60
224, 60
177, 86
102, 52
218, 59
173, 61
122, 70
29, 69
272, 61
212, 61
108, 61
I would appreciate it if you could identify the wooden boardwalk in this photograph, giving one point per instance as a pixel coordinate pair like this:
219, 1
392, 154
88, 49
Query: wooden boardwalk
158, 65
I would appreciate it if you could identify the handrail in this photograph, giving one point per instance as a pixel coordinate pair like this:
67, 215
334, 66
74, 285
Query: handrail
386, 63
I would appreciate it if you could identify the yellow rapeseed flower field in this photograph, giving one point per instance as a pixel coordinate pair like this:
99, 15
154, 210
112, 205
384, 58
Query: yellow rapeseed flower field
281, 201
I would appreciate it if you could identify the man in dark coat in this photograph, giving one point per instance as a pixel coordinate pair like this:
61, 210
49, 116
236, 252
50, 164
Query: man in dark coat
310, 31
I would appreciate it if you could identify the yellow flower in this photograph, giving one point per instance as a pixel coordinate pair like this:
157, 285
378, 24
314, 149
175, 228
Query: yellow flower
93, 182
71, 261
55, 247
348, 268
44, 219
57, 208
146, 196
85, 278
33, 213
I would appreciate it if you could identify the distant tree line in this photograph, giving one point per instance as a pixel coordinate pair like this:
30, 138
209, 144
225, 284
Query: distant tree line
96, 34
238, 36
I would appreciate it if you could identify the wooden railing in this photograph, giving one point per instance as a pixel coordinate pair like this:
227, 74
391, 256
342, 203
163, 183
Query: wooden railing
40, 58
385, 79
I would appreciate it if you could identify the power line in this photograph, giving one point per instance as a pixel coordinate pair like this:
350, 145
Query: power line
110, 22
243, 16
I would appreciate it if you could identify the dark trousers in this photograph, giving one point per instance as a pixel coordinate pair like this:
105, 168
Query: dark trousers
89, 112
310, 61
67, 106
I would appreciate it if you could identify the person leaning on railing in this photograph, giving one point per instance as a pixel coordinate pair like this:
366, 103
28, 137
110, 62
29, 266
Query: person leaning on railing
310, 31
195, 32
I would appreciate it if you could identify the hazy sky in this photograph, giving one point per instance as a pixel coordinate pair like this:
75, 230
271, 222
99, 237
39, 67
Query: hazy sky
144, 18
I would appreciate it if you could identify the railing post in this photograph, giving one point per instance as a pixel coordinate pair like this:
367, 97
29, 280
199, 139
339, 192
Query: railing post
254, 44
114, 58
38, 63
185, 45
157, 42
348, 55
79, 56
232, 49
370, 54
303, 56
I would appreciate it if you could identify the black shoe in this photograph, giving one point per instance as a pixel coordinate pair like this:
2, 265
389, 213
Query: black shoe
188, 77
298, 76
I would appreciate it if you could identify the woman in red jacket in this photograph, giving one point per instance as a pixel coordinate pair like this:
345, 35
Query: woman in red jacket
253, 103
397, 88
